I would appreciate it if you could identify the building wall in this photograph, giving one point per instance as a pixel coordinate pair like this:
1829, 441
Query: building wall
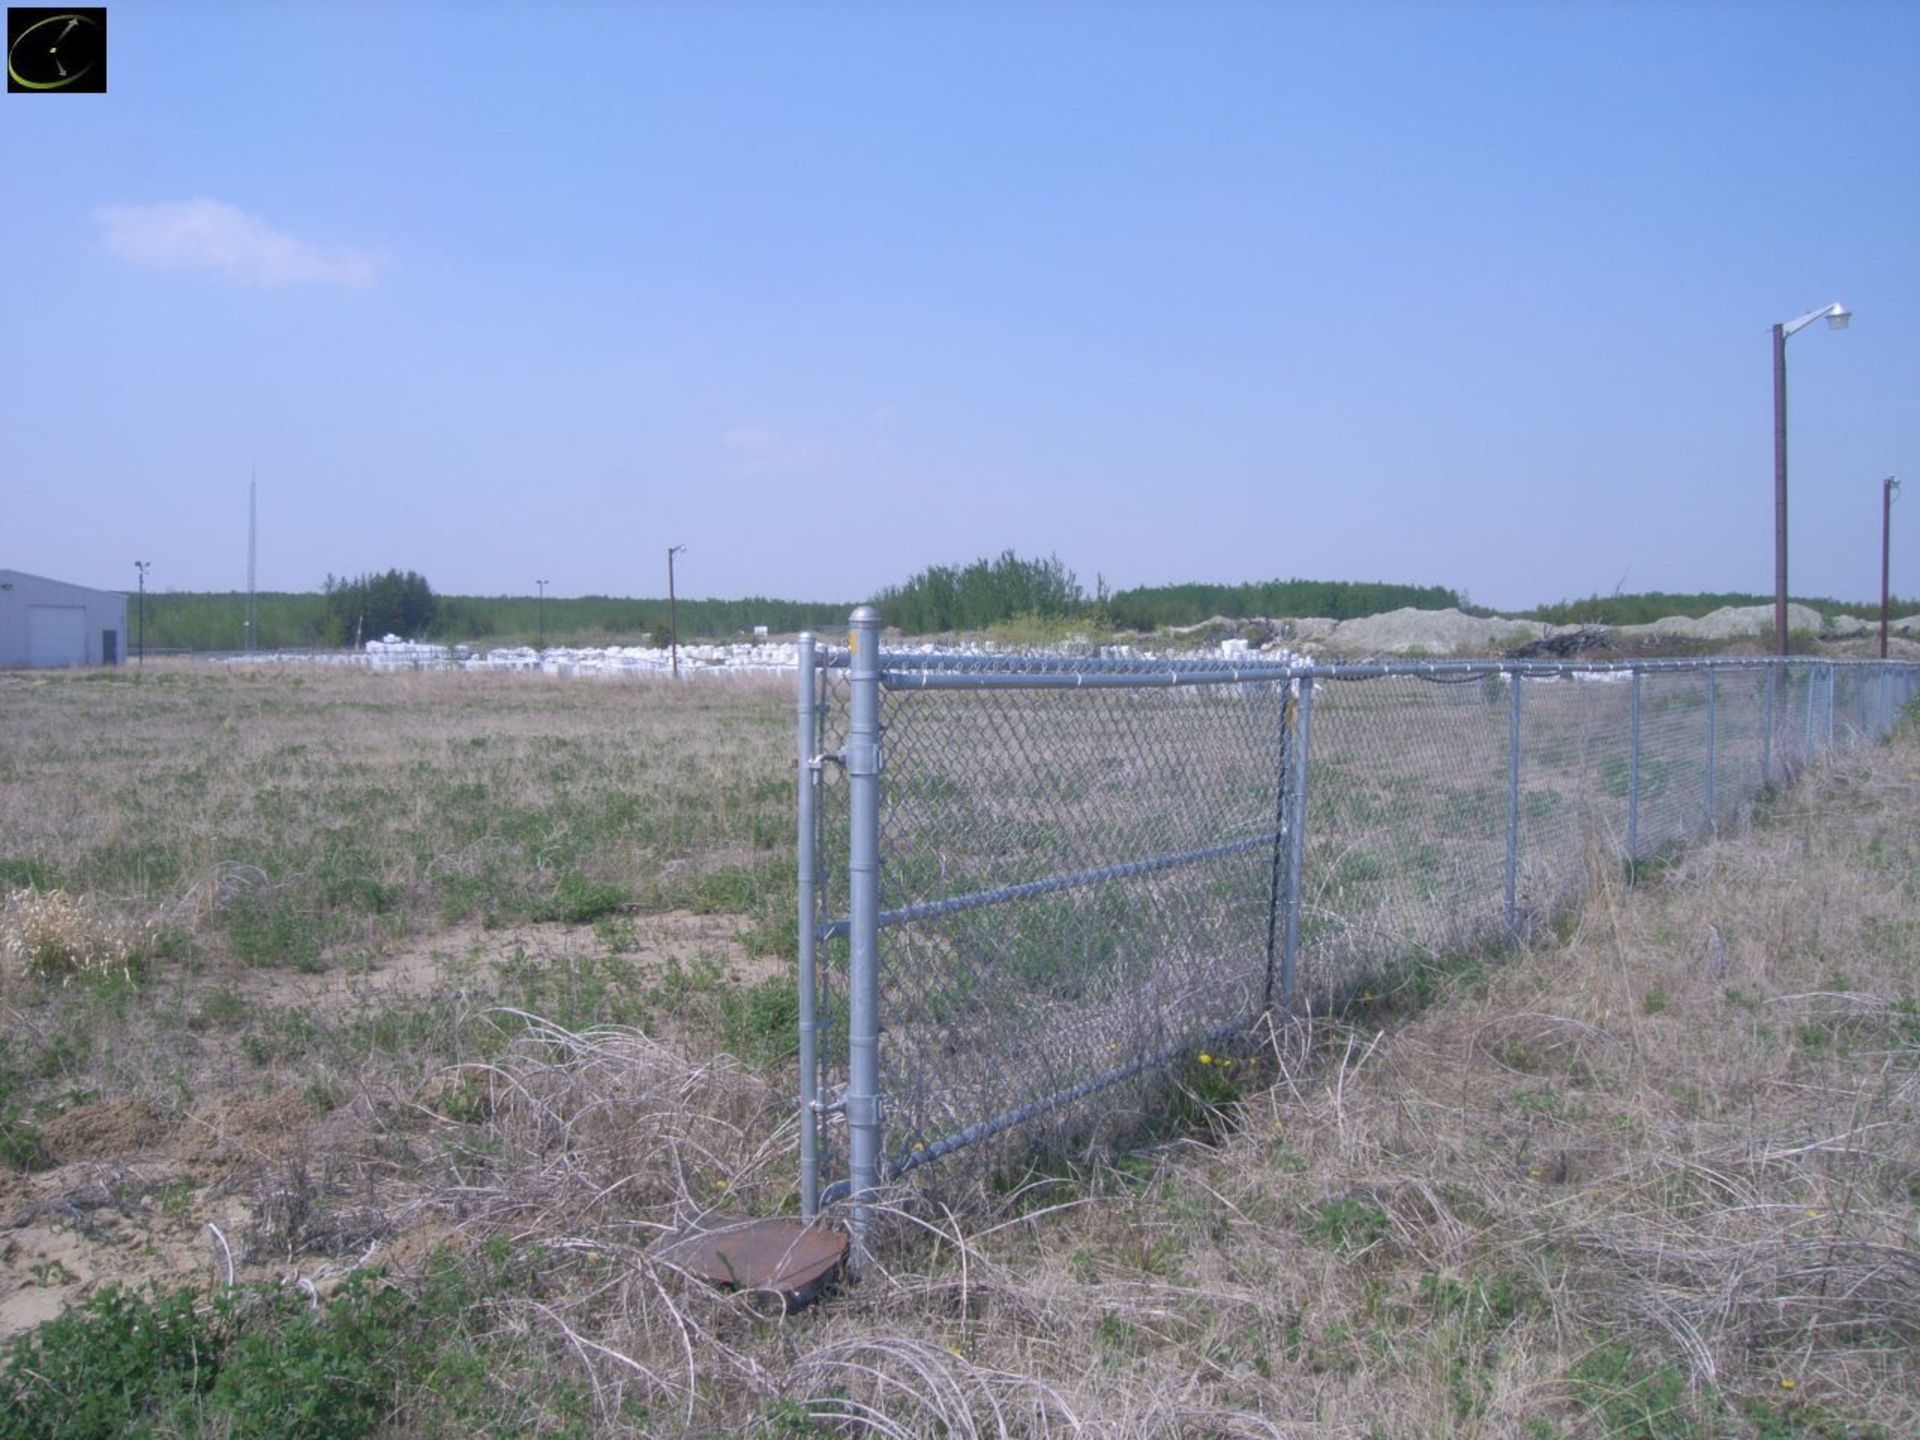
105, 610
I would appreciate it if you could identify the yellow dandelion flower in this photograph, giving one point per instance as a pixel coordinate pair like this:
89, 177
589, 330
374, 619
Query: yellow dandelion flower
1205, 1058
1788, 1385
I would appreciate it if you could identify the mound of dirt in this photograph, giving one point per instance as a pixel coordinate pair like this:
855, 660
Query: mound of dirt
102, 1130
258, 1128
1437, 632
1729, 622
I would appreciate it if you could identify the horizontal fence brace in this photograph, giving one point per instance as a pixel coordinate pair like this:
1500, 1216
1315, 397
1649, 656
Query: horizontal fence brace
1030, 889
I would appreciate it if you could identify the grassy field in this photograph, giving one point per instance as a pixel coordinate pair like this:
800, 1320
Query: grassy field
393, 1016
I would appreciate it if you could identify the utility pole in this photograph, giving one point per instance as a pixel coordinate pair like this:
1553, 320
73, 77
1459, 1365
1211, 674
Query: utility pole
252, 548
141, 566
1889, 488
673, 611
540, 614
1837, 316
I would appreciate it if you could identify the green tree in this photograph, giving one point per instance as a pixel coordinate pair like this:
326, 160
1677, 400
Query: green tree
947, 597
394, 603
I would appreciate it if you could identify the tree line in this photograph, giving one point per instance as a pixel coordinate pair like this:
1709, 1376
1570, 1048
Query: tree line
941, 598
1644, 607
351, 610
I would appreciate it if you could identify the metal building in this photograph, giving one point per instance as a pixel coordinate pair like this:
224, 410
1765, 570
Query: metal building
46, 623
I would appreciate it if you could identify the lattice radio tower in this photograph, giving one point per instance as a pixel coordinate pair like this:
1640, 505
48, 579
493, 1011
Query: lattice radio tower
253, 532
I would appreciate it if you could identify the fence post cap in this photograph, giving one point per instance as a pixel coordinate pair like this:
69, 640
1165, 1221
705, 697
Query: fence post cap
865, 615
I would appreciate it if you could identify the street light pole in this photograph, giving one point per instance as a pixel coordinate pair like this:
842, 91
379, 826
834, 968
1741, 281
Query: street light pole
141, 566
1836, 315
1889, 488
673, 611
540, 615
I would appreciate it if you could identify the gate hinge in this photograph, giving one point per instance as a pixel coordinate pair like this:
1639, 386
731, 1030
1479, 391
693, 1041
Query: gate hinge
864, 1109
862, 758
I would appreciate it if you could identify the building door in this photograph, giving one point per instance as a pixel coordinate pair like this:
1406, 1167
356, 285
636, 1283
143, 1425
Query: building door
109, 647
56, 635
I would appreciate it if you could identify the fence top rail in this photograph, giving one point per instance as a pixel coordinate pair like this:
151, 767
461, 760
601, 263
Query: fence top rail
949, 670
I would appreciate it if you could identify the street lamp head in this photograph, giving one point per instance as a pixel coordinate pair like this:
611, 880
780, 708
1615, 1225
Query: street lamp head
1836, 315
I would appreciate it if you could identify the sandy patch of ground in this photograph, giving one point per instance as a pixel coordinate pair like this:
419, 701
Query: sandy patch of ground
74, 1228
444, 960
139, 1195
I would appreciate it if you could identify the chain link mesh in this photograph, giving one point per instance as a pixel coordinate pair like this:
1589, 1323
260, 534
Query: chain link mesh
990, 1006
1076, 884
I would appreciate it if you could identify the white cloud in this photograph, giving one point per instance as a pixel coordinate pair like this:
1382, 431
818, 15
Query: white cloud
753, 451
222, 240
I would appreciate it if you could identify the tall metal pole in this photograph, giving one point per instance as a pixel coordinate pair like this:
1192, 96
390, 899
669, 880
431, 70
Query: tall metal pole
1513, 806
1772, 684
863, 917
1713, 707
1282, 817
252, 551
1296, 840
1837, 317
673, 611
1888, 489
1780, 488
141, 566
1633, 775
540, 614
807, 752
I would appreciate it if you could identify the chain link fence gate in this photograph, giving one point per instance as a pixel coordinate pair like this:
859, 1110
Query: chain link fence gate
1027, 880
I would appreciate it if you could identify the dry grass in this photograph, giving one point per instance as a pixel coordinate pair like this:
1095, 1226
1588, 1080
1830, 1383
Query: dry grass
307, 817
1660, 1180
1657, 1178
51, 935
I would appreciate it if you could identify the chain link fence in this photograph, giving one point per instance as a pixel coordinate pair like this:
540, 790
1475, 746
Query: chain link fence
1028, 881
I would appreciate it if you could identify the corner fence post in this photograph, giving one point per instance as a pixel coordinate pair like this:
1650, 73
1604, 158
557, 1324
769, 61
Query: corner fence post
1282, 819
1296, 837
863, 917
806, 752
1713, 706
1633, 776
1772, 676
1513, 803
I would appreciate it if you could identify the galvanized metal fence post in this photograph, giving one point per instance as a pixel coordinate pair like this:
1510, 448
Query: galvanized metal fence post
1633, 775
1833, 674
1772, 673
1713, 698
1282, 814
807, 763
1807, 751
1513, 803
1296, 837
863, 921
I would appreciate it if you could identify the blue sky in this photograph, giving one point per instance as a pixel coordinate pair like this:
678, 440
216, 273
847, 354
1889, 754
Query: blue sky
1472, 294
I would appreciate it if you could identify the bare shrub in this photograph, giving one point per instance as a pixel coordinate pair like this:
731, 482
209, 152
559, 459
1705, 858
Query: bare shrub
51, 935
